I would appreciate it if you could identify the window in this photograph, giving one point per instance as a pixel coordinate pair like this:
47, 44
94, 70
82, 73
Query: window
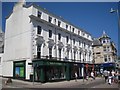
78, 32
80, 56
59, 23
103, 41
38, 29
105, 58
50, 52
55, 21
0, 60
108, 48
59, 54
59, 36
109, 58
104, 48
67, 54
39, 14
67, 39
98, 53
83, 33
38, 51
66, 26
74, 55
50, 33
79, 43
84, 44
73, 30
73, 41
87, 36
70, 27
50, 19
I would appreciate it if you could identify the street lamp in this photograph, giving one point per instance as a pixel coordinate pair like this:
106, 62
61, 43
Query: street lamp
117, 11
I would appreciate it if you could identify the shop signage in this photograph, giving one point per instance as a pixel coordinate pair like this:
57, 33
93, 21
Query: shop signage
20, 63
55, 63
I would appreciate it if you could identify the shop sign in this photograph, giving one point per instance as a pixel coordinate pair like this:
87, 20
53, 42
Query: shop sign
54, 63
20, 63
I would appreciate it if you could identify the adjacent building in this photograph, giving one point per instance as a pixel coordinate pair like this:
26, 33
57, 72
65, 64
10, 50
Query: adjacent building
104, 51
1, 50
44, 45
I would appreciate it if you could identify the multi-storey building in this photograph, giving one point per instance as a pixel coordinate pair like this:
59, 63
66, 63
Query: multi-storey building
43, 44
104, 50
1, 50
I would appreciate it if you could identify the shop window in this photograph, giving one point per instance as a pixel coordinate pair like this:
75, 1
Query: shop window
19, 72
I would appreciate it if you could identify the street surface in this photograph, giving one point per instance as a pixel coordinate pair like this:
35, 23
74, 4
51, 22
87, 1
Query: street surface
97, 83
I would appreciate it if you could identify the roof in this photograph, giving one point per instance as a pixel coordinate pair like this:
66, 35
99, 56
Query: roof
104, 35
96, 42
48, 12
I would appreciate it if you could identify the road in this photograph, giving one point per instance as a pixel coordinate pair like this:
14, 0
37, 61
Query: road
98, 83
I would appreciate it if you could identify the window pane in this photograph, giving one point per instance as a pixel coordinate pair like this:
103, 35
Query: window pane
59, 36
50, 33
38, 29
39, 14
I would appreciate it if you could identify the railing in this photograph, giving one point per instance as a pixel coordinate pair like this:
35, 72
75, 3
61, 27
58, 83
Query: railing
61, 59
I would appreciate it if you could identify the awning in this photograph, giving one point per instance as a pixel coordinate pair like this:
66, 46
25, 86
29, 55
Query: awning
108, 65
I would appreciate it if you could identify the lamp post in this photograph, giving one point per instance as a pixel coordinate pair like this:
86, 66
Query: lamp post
117, 11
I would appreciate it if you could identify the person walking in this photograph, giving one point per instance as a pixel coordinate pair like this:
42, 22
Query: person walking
92, 75
113, 75
110, 78
76, 76
106, 75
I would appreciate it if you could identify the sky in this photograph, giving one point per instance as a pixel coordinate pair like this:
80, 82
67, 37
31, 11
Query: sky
93, 17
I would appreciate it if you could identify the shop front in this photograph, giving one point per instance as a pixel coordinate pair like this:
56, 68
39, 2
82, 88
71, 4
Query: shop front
19, 69
108, 66
49, 70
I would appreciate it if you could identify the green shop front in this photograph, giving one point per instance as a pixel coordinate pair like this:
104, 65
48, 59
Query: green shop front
19, 69
51, 70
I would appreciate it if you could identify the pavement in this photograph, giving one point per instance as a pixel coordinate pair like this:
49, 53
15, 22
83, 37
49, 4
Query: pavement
97, 83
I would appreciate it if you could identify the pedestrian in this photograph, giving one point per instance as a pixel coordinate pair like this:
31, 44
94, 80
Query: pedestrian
92, 75
76, 76
106, 75
110, 79
113, 75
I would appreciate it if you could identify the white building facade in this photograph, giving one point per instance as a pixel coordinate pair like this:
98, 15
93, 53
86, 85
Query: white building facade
34, 34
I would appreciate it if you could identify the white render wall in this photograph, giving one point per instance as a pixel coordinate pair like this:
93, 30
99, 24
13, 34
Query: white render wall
1, 63
17, 38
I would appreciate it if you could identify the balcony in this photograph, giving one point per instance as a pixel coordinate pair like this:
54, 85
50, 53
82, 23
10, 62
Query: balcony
39, 39
60, 45
51, 42
75, 48
68, 46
